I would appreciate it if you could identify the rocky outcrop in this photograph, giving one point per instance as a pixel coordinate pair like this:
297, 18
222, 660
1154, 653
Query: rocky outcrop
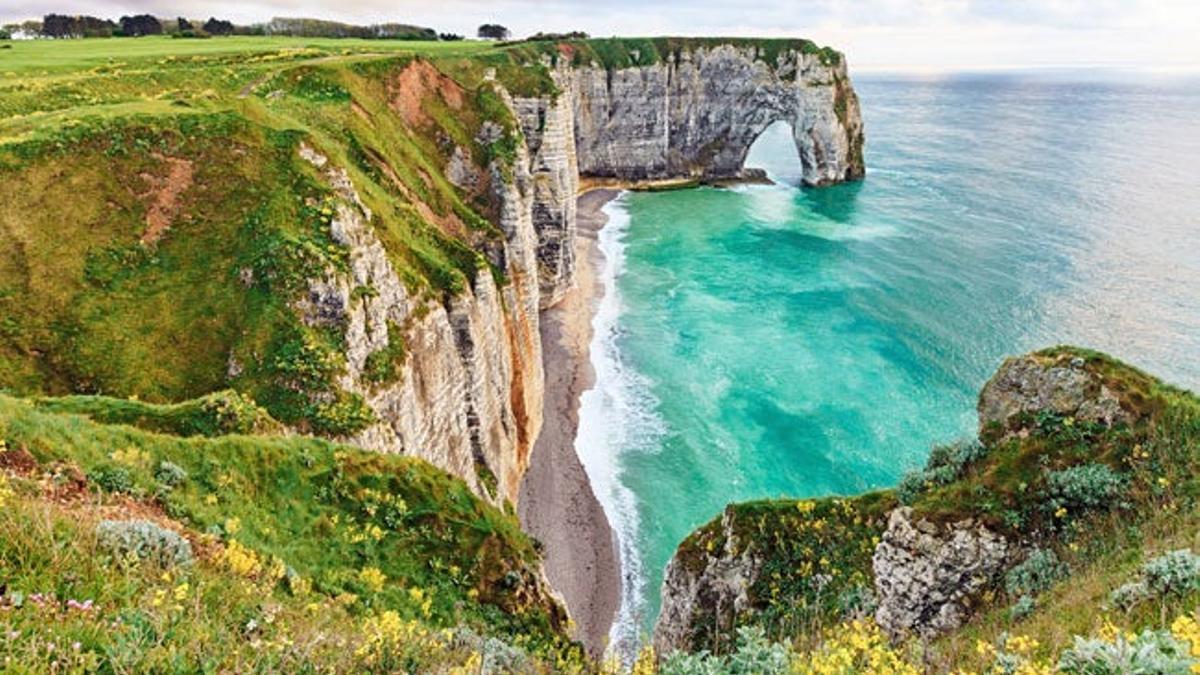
548, 124
705, 591
926, 575
696, 114
467, 397
1028, 385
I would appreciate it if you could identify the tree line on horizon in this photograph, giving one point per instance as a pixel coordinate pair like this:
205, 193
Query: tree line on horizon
66, 26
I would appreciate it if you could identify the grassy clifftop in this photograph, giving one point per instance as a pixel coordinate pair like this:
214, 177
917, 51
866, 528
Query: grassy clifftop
160, 223
307, 556
1093, 511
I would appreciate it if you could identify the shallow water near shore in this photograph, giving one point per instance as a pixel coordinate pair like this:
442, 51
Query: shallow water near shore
771, 341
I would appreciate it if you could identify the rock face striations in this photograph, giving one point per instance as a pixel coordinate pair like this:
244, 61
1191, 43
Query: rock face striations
469, 399
696, 114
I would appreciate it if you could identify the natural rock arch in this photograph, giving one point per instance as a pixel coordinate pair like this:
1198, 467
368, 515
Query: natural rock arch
697, 115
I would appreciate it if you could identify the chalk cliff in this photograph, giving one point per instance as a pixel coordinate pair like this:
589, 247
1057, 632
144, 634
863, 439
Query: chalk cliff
470, 397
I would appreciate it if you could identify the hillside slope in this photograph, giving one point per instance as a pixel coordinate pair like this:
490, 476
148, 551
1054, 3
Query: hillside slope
299, 556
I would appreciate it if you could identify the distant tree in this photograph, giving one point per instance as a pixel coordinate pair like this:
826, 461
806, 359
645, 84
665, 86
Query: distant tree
302, 27
449, 37
29, 29
141, 24
90, 26
215, 26
182, 24
5, 34
58, 26
493, 31
64, 26
573, 35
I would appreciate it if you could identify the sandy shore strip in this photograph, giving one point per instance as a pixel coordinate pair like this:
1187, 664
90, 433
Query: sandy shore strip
557, 504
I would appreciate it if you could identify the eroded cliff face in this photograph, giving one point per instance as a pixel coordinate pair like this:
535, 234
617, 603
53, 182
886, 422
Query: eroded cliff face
696, 114
468, 396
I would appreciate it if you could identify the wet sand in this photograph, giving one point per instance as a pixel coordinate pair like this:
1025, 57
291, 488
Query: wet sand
557, 505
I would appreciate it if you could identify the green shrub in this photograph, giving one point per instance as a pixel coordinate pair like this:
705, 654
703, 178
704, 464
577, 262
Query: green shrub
1150, 652
145, 540
1088, 486
945, 465
1128, 596
1023, 607
1035, 574
857, 602
1174, 573
170, 474
754, 655
111, 478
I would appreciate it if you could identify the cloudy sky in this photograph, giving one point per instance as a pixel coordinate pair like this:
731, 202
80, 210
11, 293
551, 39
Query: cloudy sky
876, 34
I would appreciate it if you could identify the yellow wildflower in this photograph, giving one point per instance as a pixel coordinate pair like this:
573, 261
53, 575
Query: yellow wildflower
372, 578
181, 592
6, 492
233, 525
241, 560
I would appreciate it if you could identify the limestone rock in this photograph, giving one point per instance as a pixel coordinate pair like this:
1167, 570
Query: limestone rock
697, 116
926, 575
711, 590
1027, 385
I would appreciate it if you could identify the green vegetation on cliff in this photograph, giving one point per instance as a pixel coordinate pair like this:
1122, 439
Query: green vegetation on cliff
161, 225
1090, 468
308, 556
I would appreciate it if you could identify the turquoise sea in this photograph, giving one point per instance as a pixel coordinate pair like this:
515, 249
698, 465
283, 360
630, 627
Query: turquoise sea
773, 341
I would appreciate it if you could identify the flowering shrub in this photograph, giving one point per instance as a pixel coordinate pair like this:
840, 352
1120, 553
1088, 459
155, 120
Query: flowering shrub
372, 578
854, 647
1014, 654
1187, 629
241, 560
145, 540
391, 644
6, 492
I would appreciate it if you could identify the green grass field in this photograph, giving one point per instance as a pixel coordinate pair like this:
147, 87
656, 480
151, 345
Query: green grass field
55, 57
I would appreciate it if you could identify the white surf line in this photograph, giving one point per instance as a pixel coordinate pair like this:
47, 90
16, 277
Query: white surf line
615, 416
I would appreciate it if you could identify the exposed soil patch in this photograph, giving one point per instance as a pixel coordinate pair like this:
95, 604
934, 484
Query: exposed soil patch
449, 224
18, 461
418, 81
163, 196
360, 111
